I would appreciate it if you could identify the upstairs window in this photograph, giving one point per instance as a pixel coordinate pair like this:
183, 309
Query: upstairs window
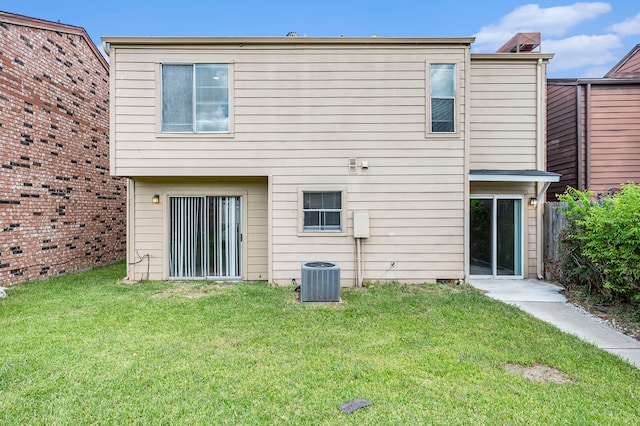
322, 211
442, 92
195, 98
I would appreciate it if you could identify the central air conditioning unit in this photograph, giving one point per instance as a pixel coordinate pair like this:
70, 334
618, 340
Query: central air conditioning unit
320, 282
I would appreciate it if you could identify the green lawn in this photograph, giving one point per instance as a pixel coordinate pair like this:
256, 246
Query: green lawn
87, 349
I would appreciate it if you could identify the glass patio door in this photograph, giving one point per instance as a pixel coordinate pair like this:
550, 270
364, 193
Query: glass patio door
205, 237
496, 239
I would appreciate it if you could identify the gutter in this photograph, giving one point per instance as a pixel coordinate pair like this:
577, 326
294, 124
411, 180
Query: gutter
540, 163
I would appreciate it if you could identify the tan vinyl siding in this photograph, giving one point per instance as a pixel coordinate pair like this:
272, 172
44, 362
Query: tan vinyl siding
300, 111
150, 227
425, 243
361, 98
299, 116
504, 117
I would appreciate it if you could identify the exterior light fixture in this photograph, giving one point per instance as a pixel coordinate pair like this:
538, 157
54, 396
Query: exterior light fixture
533, 202
156, 199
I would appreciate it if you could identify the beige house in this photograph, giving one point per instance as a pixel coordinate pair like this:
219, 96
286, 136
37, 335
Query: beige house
406, 159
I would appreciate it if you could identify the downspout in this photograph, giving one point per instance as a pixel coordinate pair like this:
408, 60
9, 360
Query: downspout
131, 230
270, 230
106, 49
587, 137
359, 271
540, 165
579, 139
467, 160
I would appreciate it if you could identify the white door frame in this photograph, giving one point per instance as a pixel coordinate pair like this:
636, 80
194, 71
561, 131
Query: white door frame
234, 237
494, 235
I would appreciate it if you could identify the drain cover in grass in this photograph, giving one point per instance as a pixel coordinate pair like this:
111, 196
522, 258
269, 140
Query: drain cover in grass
356, 404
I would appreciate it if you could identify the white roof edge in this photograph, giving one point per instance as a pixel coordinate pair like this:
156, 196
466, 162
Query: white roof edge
512, 176
511, 56
252, 40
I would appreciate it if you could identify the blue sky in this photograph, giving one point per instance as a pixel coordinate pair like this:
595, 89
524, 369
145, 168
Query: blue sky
588, 38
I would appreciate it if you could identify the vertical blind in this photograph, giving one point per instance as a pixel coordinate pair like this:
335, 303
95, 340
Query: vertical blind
205, 237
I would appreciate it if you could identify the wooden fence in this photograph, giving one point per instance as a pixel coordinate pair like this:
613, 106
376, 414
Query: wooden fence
554, 223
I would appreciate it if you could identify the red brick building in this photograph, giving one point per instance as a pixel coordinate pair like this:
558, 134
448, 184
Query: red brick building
60, 210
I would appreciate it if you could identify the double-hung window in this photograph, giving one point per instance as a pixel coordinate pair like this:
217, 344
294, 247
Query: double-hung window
442, 94
322, 211
195, 98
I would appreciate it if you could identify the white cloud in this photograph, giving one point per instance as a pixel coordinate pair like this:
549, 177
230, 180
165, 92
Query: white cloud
630, 26
551, 21
582, 51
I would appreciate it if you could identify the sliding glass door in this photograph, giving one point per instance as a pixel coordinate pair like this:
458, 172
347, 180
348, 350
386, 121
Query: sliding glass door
205, 237
496, 240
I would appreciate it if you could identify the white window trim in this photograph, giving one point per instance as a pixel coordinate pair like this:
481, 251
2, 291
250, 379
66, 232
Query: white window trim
456, 104
193, 135
343, 213
524, 255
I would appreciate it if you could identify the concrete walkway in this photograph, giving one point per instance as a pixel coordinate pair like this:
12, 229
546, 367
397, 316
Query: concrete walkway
544, 301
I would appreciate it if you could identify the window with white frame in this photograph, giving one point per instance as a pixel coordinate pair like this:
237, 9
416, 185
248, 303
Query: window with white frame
322, 211
442, 93
195, 98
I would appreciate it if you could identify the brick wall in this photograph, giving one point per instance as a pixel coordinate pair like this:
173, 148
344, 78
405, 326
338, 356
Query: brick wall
60, 210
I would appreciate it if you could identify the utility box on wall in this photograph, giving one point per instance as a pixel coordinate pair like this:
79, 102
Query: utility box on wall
360, 224
320, 282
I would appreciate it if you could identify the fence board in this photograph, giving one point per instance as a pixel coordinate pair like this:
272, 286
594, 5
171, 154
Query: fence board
554, 223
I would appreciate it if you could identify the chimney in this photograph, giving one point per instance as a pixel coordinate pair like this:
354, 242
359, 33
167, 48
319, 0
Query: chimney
522, 42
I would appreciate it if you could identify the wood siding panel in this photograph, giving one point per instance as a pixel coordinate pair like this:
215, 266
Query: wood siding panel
628, 67
503, 116
631, 68
609, 142
562, 136
614, 136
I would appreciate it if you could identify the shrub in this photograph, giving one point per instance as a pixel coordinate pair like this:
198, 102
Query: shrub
576, 269
602, 242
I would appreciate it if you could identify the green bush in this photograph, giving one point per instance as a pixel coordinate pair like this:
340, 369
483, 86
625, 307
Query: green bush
602, 242
576, 269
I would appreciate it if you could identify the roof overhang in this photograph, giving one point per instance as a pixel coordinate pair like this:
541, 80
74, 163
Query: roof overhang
533, 176
483, 175
593, 81
526, 56
319, 42
243, 41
